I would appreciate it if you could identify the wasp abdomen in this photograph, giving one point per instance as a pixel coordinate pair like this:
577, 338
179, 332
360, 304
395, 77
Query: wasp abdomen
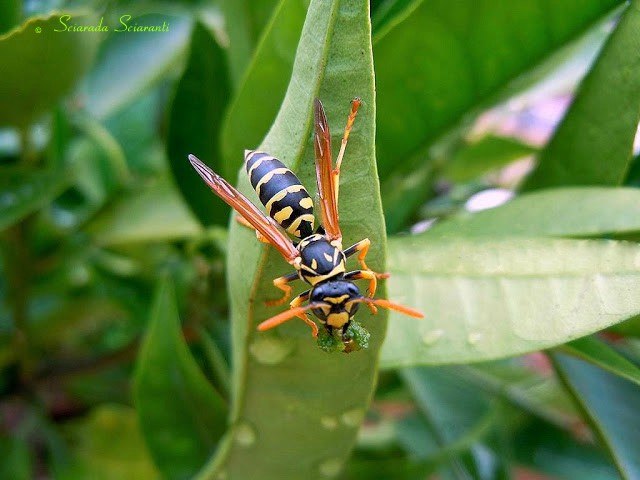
280, 191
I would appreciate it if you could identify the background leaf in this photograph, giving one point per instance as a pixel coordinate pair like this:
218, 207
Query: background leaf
568, 212
195, 122
24, 192
169, 380
153, 214
491, 298
21, 51
593, 145
15, 459
474, 51
278, 369
96, 454
142, 60
487, 154
600, 354
244, 20
10, 14
615, 422
269, 70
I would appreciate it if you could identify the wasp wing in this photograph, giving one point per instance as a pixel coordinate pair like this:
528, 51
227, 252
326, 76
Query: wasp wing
324, 174
241, 204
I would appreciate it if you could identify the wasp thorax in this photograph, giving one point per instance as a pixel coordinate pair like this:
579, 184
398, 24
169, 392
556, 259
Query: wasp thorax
320, 260
338, 299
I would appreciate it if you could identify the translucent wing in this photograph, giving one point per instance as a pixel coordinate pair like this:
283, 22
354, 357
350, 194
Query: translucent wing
324, 174
241, 204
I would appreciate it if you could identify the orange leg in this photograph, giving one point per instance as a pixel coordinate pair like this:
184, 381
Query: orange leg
296, 302
362, 247
373, 283
245, 223
283, 284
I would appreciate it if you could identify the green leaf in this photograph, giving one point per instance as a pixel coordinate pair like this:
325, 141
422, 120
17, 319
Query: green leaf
195, 121
594, 143
98, 455
575, 212
555, 452
155, 213
396, 468
15, 459
390, 11
140, 60
492, 298
323, 396
454, 409
23, 192
595, 351
520, 385
487, 154
181, 415
10, 14
245, 125
458, 57
244, 20
23, 92
610, 404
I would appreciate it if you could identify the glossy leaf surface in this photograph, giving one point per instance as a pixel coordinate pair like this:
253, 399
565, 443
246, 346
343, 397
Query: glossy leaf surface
492, 298
568, 212
320, 398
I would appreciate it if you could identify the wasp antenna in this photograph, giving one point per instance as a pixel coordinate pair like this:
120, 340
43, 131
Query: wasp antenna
380, 302
293, 312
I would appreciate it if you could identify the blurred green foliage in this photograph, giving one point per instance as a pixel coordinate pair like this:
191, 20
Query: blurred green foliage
129, 302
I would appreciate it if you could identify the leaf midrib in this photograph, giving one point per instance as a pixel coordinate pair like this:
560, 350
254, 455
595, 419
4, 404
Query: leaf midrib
237, 406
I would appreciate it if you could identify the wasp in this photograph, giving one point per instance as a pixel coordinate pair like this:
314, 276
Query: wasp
316, 254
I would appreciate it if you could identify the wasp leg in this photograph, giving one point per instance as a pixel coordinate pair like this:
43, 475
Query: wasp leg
282, 284
373, 283
295, 311
245, 223
296, 302
362, 247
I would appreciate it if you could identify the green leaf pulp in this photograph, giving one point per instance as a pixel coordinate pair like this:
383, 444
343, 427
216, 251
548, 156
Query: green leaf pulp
594, 143
182, 417
21, 55
284, 385
195, 122
487, 298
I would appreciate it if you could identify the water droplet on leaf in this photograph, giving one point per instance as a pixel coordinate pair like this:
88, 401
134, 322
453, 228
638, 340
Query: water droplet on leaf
331, 468
474, 338
245, 435
432, 337
353, 418
270, 350
330, 423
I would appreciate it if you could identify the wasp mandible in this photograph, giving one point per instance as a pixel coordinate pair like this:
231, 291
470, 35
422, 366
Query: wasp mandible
316, 254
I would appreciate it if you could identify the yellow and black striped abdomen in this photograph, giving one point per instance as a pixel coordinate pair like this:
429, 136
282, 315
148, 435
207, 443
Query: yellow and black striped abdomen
283, 196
